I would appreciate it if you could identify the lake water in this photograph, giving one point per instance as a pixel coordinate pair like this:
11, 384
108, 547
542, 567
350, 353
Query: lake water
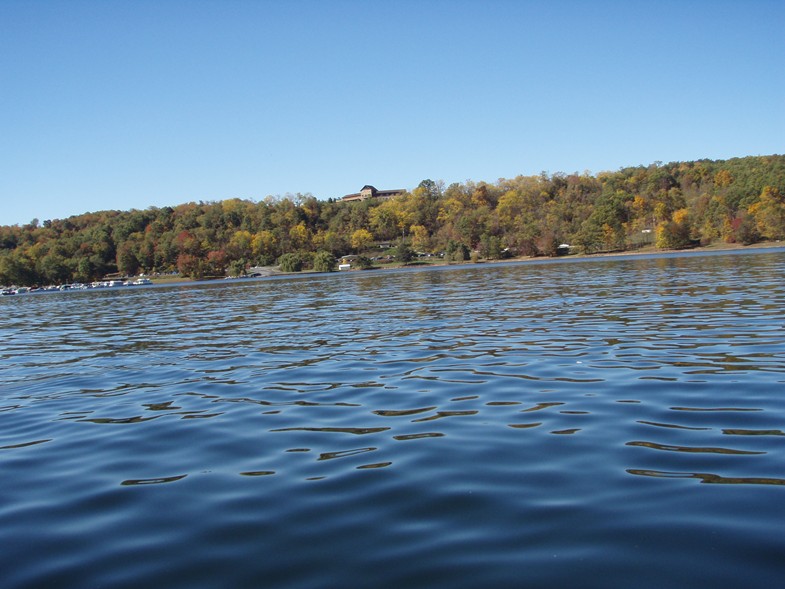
613, 422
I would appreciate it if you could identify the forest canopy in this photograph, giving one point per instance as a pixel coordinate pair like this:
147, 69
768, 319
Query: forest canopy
674, 205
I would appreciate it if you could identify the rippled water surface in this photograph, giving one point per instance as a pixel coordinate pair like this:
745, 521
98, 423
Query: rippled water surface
605, 423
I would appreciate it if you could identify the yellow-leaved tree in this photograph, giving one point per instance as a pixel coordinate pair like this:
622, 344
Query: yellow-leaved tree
675, 234
300, 236
421, 240
361, 239
264, 246
769, 213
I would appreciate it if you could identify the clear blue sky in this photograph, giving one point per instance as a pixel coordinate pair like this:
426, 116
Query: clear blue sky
131, 104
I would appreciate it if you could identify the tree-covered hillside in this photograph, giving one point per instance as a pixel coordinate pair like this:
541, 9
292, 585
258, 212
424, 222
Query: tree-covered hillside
671, 205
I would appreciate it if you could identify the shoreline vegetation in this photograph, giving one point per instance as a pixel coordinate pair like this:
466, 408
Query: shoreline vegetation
694, 206
271, 271
646, 251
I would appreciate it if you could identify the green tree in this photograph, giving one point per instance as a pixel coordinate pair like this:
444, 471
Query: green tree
146, 253
237, 268
324, 262
290, 263
17, 268
604, 229
127, 263
403, 252
363, 262
490, 247
431, 188
54, 269
456, 252
85, 270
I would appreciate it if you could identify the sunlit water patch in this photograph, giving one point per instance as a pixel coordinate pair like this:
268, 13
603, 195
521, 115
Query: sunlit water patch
599, 423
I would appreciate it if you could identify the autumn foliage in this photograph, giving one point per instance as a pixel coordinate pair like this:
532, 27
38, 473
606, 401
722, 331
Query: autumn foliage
674, 205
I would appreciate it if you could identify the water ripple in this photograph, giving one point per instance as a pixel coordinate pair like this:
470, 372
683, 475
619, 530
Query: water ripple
503, 424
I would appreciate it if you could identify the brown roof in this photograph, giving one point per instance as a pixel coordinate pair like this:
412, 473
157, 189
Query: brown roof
374, 193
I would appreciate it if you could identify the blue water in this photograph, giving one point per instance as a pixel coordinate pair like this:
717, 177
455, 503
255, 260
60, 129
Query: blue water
605, 423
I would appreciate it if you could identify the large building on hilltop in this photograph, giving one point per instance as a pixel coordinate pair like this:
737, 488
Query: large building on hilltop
369, 191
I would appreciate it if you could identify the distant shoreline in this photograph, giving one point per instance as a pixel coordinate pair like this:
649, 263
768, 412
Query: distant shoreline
713, 247
646, 251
